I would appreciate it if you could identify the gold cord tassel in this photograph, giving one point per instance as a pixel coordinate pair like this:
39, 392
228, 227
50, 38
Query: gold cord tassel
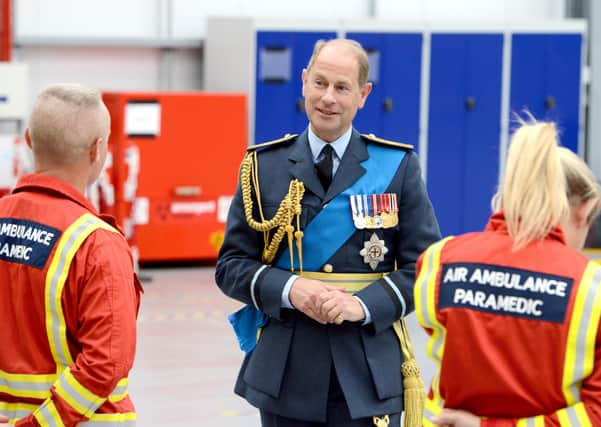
413, 386
283, 218
298, 235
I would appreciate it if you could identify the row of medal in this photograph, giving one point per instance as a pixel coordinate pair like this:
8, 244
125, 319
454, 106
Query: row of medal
373, 211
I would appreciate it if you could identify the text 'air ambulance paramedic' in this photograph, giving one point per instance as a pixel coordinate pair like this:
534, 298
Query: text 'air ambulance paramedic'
304, 227
513, 311
68, 293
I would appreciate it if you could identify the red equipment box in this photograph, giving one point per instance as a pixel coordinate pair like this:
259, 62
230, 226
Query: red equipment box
183, 151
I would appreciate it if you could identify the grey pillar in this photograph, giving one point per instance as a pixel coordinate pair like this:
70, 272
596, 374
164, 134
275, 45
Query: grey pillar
593, 143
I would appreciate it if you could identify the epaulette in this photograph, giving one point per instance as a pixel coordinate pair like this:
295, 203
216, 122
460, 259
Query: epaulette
263, 145
374, 138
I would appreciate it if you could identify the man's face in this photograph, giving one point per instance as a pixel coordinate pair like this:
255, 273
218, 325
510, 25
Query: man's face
331, 90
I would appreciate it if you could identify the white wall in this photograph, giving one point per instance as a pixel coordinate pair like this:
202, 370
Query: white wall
469, 10
182, 19
156, 44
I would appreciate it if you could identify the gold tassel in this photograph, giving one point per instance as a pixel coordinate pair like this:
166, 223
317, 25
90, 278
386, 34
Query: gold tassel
413, 386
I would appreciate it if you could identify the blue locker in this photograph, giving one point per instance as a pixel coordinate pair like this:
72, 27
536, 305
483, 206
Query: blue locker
392, 108
281, 57
545, 79
464, 128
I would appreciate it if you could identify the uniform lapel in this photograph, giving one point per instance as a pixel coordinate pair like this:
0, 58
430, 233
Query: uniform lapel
302, 167
350, 169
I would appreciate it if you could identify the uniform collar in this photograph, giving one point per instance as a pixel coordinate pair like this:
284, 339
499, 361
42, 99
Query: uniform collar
40, 183
497, 223
339, 145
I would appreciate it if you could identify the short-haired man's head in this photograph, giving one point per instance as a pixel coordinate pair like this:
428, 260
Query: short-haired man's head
361, 54
66, 119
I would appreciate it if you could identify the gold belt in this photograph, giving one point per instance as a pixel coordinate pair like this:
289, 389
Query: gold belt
351, 282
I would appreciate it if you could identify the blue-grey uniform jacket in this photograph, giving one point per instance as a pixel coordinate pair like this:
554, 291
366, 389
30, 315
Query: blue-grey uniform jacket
288, 372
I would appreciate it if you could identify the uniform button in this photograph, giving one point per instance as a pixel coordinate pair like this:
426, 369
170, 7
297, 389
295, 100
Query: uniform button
328, 268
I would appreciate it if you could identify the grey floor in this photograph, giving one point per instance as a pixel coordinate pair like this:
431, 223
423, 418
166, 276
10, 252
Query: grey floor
187, 356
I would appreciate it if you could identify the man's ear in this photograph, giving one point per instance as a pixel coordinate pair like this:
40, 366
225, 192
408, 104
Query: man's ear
28, 138
94, 151
365, 91
583, 212
304, 79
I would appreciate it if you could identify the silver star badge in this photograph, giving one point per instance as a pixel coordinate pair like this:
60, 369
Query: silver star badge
373, 251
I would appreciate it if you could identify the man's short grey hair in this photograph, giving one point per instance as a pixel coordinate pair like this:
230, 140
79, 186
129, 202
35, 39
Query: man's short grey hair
65, 121
362, 59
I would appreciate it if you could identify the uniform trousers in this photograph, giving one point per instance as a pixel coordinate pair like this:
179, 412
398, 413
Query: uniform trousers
338, 414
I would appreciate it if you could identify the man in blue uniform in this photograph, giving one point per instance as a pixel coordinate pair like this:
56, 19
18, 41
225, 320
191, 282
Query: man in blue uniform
321, 243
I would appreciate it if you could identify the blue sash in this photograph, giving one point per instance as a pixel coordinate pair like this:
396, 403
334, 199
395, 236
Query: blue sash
325, 234
333, 225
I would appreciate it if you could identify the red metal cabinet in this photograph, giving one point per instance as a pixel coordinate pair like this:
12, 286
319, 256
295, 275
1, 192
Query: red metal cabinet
190, 146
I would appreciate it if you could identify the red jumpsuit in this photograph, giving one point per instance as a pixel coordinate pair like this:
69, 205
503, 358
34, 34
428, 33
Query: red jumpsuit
515, 335
68, 305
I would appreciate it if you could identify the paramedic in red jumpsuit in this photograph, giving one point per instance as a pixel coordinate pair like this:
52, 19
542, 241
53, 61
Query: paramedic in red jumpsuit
68, 293
513, 311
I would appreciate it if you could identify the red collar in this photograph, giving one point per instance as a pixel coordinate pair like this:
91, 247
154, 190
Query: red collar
50, 185
497, 223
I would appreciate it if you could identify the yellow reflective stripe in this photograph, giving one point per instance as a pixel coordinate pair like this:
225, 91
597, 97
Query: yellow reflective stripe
425, 309
16, 411
564, 420
33, 386
68, 245
47, 415
538, 421
582, 333
583, 419
573, 416
80, 398
120, 391
431, 409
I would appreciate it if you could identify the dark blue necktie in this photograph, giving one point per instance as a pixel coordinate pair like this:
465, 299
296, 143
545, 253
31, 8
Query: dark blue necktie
324, 167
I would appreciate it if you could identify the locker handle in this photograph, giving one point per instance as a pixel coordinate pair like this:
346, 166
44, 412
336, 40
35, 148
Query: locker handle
300, 105
470, 103
388, 105
187, 190
549, 102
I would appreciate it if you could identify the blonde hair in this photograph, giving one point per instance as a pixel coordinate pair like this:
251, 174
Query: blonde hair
542, 181
532, 193
362, 60
65, 120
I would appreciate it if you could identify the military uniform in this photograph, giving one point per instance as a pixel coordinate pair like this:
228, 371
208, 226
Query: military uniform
288, 373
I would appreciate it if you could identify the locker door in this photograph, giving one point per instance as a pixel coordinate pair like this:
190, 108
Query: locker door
545, 79
392, 108
463, 128
281, 57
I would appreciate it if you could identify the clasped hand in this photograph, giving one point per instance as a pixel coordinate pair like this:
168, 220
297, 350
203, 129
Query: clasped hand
4, 421
324, 303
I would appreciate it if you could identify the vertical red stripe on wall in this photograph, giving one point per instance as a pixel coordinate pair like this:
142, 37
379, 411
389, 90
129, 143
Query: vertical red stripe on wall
5, 30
